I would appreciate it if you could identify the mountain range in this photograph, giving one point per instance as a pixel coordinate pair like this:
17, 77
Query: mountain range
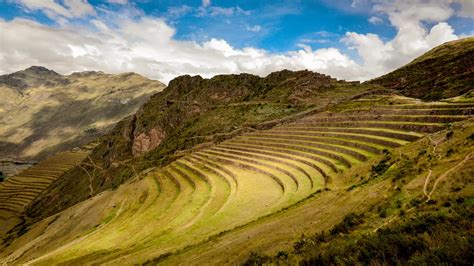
43, 112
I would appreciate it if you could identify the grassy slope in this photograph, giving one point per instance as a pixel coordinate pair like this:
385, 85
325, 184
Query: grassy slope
192, 111
133, 208
445, 71
390, 203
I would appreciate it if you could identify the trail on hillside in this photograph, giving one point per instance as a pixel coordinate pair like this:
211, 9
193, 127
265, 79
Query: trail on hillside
428, 195
445, 174
91, 189
427, 181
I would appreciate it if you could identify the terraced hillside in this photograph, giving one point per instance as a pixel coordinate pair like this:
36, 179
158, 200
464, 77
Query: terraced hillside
190, 112
224, 187
19, 191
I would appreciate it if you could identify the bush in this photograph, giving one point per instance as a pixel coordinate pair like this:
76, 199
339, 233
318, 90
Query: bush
282, 255
449, 134
383, 165
449, 152
2, 176
257, 259
471, 137
348, 223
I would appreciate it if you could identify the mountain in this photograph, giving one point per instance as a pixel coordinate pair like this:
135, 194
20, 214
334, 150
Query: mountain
43, 112
443, 72
295, 167
193, 112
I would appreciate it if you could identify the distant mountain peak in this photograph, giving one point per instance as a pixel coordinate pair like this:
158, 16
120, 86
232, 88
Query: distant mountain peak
39, 70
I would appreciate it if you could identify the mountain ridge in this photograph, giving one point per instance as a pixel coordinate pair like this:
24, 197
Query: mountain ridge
452, 62
43, 112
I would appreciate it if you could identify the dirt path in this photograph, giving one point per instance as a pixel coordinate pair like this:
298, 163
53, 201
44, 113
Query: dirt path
425, 190
435, 145
91, 189
427, 181
445, 174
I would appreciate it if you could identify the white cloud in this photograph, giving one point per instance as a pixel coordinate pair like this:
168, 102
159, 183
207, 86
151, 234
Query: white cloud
225, 11
411, 40
221, 11
178, 11
375, 20
54, 10
466, 8
206, 3
122, 42
119, 2
79, 8
147, 46
255, 28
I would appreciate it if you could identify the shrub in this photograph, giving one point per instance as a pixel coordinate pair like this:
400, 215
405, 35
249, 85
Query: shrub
348, 223
383, 165
449, 134
471, 137
432, 239
449, 152
415, 202
282, 254
257, 259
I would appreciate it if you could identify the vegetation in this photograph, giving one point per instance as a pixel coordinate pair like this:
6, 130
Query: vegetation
452, 62
290, 168
411, 241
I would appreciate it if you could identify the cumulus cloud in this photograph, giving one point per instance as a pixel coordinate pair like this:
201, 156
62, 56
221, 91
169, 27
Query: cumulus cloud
375, 20
147, 45
412, 38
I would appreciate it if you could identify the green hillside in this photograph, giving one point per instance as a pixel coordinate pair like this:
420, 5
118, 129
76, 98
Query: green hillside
292, 168
444, 72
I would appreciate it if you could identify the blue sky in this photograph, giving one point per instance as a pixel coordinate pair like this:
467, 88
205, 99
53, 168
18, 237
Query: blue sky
335, 37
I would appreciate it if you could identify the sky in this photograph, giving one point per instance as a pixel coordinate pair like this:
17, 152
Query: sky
162, 39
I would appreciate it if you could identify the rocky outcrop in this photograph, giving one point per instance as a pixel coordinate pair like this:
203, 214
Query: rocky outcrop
146, 142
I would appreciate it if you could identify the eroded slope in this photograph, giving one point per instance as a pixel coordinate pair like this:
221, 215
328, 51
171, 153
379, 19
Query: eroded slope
43, 112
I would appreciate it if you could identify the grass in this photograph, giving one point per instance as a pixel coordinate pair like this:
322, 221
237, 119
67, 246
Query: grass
232, 195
